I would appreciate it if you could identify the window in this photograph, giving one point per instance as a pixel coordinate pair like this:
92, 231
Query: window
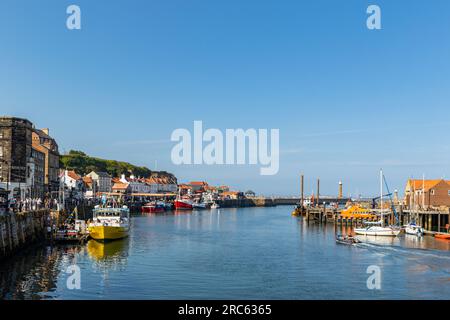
432, 192
1, 134
449, 192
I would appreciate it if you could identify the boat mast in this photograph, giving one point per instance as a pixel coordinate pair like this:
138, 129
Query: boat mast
381, 197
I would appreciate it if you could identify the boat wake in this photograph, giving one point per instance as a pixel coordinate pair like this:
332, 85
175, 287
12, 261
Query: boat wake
404, 251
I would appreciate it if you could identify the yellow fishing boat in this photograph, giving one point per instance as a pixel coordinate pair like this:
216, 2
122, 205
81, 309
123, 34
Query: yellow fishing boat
110, 223
358, 212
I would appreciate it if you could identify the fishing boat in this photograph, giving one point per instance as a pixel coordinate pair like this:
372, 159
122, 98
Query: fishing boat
348, 240
110, 223
445, 236
153, 207
379, 230
183, 204
414, 229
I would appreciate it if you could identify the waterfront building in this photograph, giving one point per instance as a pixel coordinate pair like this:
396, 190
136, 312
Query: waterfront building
73, 183
43, 142
424, 194
232, 195
37, 174
185, 189
15, 155
161, 185
88, 187
198, 186
136, 185
102, 181
121, 188
221, 189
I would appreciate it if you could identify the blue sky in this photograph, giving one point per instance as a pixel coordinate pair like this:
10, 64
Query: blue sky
347, 100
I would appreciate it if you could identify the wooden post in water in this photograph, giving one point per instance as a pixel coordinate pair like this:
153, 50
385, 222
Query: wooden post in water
318, 192
439, 221
302, 192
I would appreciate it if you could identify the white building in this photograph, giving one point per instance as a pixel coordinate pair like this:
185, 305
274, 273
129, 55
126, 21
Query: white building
137, 185
102, 181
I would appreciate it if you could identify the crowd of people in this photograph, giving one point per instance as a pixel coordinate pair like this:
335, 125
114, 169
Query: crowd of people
30, 204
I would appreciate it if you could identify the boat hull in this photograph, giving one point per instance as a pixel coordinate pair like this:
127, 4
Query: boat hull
152, 209
378, 232
108, 232
442, 236
182, 205
413, 231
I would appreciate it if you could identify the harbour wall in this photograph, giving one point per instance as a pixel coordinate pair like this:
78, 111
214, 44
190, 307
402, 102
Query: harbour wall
19, 230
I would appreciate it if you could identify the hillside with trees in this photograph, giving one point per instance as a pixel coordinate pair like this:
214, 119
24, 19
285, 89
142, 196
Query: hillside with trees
83, 164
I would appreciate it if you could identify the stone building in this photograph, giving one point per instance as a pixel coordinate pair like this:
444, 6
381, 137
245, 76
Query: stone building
15, 154
44, 143
37, 174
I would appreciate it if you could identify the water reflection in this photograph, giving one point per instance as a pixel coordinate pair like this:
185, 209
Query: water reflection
33, 273
109, 255
249, 253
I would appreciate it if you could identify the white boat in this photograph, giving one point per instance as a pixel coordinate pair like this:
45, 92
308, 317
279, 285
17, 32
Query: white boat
414, 229
381, 230
199, 205
378, 231
215, 206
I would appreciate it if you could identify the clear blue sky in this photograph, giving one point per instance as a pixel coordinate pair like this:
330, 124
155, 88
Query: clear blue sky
347, 100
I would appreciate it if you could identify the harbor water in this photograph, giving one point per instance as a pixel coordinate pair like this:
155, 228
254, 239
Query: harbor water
245, 253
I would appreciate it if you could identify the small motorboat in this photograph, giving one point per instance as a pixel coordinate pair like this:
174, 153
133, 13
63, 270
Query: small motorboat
445, 236
346, 240
215, 206
199, 205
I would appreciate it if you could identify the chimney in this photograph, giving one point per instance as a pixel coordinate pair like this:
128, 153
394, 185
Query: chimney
340, 190
46, 131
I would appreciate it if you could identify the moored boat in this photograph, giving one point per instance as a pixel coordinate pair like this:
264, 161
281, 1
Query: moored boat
183, 204
110, 223
153, 207
215, 206
378, 231
414, 229
199, 205
445, 236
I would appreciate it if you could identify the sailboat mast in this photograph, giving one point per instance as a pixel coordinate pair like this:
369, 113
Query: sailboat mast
381, 196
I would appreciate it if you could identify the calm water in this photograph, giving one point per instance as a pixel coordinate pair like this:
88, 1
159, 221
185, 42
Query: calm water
249, 253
